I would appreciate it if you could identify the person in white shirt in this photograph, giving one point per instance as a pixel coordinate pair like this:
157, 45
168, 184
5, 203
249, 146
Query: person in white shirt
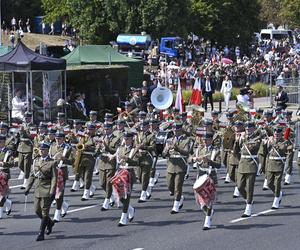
226, 90
243, 98
18, 106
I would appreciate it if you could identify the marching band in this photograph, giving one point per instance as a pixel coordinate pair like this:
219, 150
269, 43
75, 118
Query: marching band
124, 149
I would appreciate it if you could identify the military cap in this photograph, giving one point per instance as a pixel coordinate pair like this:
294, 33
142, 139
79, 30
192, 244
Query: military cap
77, 122
108, 116
93, 112
128, 104
2, 137
59, 134
43, 125
44, 145
120, 122
52, 131
107, 125
177, 125
238, 123
91, 125
142, 114
278, 129
3, 125
27, 114
145, 123
207, 122
128, 134
249, 124
60, 115
214, 113
184, 114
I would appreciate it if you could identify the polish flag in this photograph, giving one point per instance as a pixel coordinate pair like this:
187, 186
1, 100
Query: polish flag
196, 97
179, 103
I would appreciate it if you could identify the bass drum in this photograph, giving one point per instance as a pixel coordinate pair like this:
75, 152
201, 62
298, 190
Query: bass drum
161, 139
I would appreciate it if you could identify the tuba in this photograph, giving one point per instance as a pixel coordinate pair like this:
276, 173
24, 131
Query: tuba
79, 148
162, 98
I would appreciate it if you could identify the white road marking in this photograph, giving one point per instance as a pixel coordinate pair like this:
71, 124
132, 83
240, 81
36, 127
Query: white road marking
253, 215
81, 208
138, 248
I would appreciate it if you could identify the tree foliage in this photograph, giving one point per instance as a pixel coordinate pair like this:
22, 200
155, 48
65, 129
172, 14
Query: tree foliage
290, 13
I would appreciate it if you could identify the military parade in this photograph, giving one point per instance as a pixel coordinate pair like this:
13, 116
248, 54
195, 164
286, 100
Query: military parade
124, 149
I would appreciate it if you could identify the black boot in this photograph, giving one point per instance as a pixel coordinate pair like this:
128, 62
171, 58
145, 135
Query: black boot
50, 224
41, 235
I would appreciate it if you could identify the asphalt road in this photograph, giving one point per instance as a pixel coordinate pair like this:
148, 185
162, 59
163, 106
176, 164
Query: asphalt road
86, 227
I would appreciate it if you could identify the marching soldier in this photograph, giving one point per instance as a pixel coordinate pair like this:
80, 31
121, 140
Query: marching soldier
208, 159
126, 157
187, 128
87, 161
215, 119
62, 153
25, 148
107, 163
41, 136
154, 175
120, 129
44, 175
61, 123
177, 152
277, 149
11, 141
234, 156
290, 134
151, 112
146, 144
248, 146
136, 99
5, 165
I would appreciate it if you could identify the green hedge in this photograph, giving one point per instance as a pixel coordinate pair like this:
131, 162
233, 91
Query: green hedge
260, 90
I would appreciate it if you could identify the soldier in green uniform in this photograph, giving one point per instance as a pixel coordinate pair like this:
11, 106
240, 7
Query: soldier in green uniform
187, 127
277, 150
62, 153
234, 156
146, 143
43, 174
126, 156
25, 148
11, 141
208, 159
248, 146
216, 120
61, 121
107, 163
5, 165
152, 114
177, 150
119, 132
154, 175
291, 150
41, 136
87, 161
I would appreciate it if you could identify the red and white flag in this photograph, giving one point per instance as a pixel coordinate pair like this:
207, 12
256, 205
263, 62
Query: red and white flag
196, 97
179, 103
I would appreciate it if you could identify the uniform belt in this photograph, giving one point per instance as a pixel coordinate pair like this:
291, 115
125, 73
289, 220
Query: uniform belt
88, 153
206, 169
276, 158
175, 156
25, 139
248, 156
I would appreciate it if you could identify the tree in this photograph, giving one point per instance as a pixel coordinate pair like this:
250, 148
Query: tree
269, 12
290, 13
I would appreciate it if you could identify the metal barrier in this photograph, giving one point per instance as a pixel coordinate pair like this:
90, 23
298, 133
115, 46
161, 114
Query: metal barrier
292, 88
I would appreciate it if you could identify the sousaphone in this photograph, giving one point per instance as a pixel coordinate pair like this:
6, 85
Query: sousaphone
162, 98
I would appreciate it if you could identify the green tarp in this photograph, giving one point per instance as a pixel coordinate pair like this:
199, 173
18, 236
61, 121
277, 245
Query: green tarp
4, 50
104, 55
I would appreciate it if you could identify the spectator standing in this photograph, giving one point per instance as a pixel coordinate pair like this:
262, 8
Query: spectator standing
43, 27
52, 29
208, 89
281, 98
13, 24
226, 90
12, 39
28, 25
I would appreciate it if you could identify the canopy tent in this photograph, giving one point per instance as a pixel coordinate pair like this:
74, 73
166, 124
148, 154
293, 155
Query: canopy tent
42, 94
106, 55
4, 50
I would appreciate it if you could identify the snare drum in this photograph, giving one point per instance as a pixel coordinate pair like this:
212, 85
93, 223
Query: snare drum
205, 190
121, 183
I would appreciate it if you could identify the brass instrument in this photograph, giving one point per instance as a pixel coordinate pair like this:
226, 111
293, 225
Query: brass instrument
79, 148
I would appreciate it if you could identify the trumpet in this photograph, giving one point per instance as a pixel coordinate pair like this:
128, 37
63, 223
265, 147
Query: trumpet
79, 148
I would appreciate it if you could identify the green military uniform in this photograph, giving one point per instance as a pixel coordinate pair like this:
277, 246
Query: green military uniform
25, 150
290, 154
146, 150
177, 166
107, 167
248, 165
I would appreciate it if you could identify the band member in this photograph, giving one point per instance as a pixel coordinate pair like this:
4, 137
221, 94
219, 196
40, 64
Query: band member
208, 159
126, 156
61, 121
215, 119
5, 165
290, 137
277, 149
234, 156
41, 137
266, 130
61, 152
25, 148
87, 161
145, 141
248, 145
12, 141
177, 151
107, 163
154, 174
187, 127
44, 175
151, 112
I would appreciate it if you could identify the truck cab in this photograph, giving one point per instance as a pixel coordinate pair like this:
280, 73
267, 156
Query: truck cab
276, 34
170, 45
